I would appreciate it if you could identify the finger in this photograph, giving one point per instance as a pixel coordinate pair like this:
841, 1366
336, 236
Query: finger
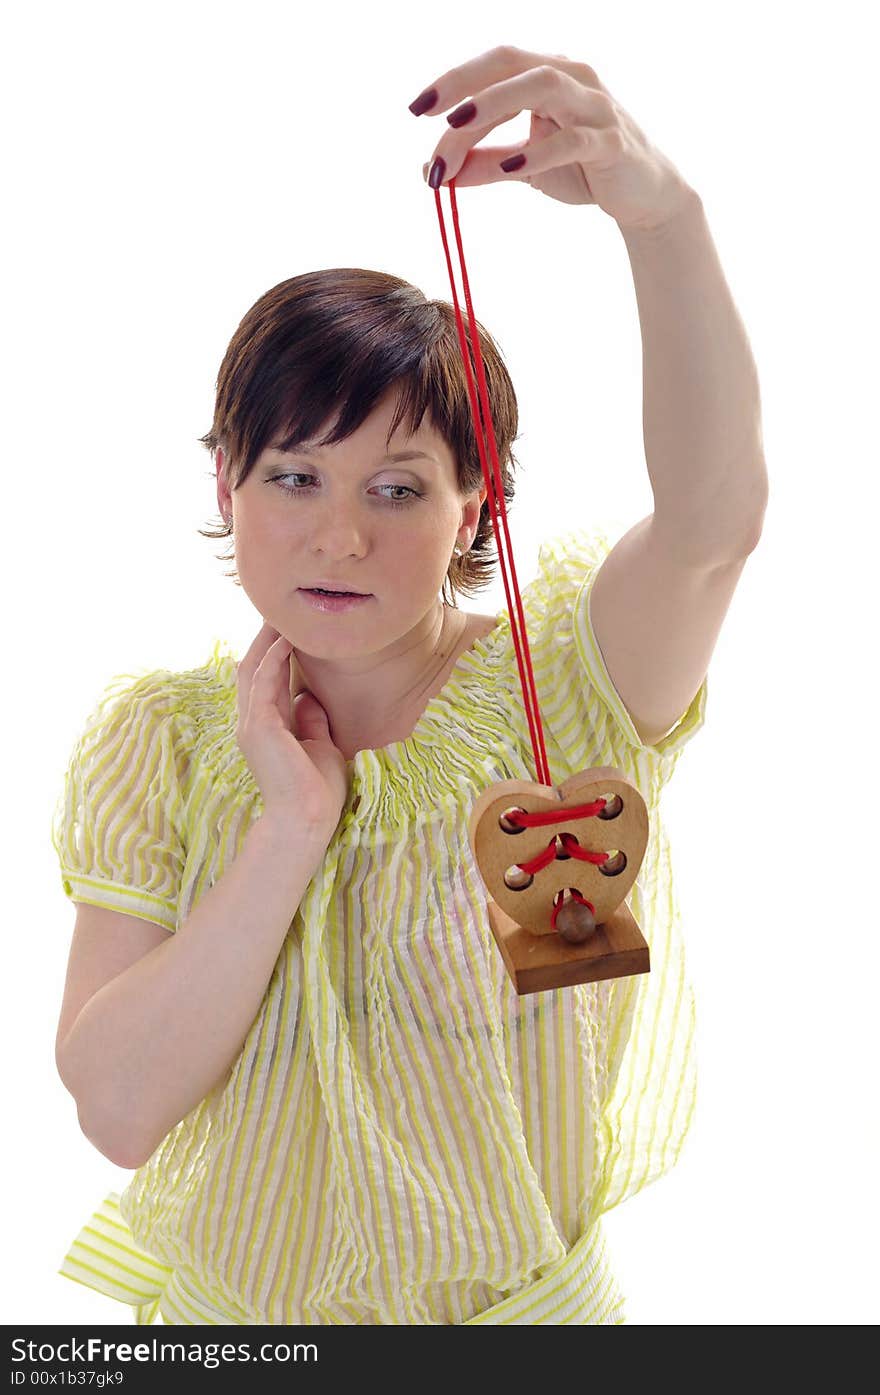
483, 166
282, 688
272, 678
576, 145
265, 636
246, 667
493, 66
278, 651
310, 718
546, 90
255, 661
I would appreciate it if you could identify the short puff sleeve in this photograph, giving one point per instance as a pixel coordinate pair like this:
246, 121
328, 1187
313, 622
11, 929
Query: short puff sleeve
118, 826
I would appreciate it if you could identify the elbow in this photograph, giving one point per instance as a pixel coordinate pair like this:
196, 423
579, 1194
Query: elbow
99, 1125
108, 1129
112, 1141
112, 1144
754, 537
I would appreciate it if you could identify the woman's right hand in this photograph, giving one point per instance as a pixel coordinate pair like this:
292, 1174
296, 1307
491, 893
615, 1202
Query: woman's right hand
303, 779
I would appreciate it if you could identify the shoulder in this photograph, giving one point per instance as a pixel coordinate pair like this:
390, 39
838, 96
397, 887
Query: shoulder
479, 626
130, 700
181, 705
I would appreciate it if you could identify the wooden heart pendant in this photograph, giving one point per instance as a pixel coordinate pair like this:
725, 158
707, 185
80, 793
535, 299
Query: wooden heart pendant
558, 863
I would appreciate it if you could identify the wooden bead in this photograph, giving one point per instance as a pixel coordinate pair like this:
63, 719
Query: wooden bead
575, 922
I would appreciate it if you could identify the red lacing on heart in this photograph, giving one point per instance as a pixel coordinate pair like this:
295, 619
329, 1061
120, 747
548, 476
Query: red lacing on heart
568, 840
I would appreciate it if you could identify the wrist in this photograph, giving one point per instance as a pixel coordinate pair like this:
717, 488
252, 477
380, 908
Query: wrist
682, 208
281, 829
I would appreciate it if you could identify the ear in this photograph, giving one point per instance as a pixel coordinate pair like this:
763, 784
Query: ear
470, 514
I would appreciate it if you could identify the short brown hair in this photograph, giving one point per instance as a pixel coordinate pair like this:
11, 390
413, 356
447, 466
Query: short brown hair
335, 341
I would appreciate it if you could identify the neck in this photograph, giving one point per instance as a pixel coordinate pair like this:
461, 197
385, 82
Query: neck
377, 698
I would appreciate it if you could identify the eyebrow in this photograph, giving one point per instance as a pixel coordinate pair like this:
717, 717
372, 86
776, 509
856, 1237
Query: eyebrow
396, 455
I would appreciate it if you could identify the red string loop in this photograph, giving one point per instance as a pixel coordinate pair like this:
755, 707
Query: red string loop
494, 489
572, 847
495, 496
576, 811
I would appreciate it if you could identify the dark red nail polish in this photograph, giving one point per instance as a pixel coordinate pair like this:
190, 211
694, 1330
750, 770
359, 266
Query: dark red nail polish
462, 115
513, 162
437, 171
424, 102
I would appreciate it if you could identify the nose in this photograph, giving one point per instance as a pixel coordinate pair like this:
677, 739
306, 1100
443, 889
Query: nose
338, 532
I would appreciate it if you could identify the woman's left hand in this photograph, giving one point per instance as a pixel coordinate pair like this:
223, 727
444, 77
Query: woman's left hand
582, 147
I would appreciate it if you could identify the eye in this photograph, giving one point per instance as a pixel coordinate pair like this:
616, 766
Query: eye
293, 489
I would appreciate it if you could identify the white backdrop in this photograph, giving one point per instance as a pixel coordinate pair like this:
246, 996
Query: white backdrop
166, 164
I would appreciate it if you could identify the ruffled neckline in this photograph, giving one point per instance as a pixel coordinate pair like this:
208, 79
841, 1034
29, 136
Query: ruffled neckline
460, 732
434, 720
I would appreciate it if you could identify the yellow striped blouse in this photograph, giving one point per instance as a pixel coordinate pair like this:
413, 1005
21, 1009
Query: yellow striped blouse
403, 1138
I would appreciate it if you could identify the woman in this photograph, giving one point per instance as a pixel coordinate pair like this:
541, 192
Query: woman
301, 1035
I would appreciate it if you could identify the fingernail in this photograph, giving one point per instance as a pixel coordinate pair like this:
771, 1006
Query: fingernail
424, 102
438, 169
462, 115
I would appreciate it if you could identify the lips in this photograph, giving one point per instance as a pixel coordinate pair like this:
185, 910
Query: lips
334, 590
331, 604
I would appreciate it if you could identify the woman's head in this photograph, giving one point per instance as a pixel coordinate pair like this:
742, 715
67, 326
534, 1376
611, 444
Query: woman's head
355, 364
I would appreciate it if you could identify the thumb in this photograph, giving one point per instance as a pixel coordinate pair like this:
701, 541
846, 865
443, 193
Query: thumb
310, 720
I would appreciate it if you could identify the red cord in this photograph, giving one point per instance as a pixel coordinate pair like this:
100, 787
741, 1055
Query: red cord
495, 493
572, 846
494, 488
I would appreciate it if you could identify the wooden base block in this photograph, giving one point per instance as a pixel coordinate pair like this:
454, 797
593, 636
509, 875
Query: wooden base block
538, 962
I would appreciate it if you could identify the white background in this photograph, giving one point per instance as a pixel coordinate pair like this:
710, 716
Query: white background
165, 165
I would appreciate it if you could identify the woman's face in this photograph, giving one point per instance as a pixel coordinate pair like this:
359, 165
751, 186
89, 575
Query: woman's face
343, 515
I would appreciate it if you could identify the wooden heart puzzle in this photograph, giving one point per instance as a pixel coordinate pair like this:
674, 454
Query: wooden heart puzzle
585, 845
